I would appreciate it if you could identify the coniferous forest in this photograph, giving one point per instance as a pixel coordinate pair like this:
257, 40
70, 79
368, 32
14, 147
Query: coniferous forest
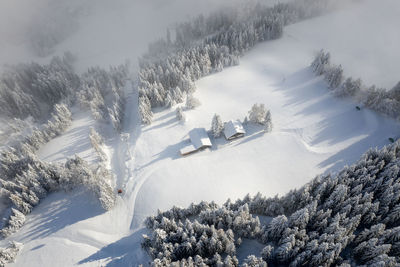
137, 118
346, 219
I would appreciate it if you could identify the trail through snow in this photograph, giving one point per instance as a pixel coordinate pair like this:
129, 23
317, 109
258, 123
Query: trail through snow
313, 133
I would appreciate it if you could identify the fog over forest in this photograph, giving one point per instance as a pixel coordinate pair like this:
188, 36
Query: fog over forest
218, 133
103, 32
98, 32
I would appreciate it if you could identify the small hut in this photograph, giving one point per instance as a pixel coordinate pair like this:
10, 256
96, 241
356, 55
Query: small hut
233, 130
198, 140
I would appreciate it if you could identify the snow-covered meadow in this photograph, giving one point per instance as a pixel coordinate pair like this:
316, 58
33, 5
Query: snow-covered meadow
313, 133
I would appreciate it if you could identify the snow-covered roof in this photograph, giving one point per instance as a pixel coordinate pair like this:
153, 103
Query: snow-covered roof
199, 138
188, 149
233, 128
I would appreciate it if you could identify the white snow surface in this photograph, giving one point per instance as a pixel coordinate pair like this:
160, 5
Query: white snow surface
74, 141
313, 133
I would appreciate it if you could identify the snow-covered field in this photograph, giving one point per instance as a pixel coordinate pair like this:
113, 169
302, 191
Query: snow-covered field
313, 133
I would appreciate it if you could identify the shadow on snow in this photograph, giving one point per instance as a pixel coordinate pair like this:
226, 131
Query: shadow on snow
124, 252
57, 212
340, 120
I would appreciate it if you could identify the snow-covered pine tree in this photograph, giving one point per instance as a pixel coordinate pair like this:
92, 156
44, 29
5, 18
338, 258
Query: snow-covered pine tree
350, 87
62, 115
103, 92
257, 113
179, 114
178, 96
20, 203
100, 186
32, 89
268, 122
191, 102
276, 227
370, 250
373, 97
97, 142
95, 178
253, 261
217, 126
169, 100
321, 62
15, 222
334, 76
145, 110
267, 253
8, 254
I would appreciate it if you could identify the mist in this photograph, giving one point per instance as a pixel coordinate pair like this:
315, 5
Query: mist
97, 32
363, 36
114, 32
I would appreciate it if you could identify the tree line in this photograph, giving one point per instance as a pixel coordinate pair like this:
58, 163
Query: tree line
26, 180
342, 220
379, 99
207, 45
102, 92
33, 90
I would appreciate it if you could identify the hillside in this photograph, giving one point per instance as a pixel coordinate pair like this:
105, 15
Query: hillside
314, 133
315, 130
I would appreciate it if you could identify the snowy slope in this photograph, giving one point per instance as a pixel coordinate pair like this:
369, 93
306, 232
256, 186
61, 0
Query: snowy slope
74, 221
313, 133
74, 141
